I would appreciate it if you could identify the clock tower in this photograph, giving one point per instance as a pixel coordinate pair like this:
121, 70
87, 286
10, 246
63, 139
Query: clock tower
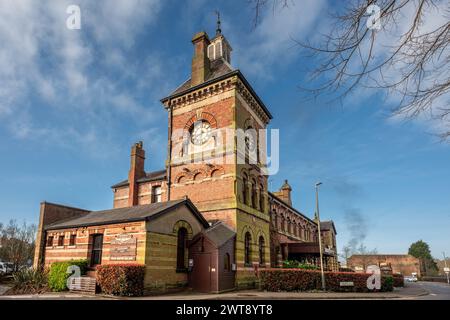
216, 145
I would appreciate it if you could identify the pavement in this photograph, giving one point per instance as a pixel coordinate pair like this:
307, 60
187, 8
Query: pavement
412, 291
435, 290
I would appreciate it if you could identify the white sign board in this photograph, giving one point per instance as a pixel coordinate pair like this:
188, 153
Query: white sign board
346, 284
446, 269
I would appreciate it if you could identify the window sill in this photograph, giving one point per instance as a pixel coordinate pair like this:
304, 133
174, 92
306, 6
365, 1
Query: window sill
59, 247
71, 247
181, 270
248, 265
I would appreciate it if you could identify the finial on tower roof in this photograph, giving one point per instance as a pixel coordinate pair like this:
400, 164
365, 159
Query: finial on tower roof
218, 30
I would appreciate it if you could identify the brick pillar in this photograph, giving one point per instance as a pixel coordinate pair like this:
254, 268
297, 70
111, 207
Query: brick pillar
136, 172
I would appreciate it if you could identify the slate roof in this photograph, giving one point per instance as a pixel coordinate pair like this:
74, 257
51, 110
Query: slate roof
327, 225
219, 233
128, 214
150, 176
272, 195
220, 69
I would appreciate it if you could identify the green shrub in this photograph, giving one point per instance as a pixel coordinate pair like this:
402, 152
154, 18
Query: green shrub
57, 277
305, 280
29, 280
294, 264
121, 279
387, 283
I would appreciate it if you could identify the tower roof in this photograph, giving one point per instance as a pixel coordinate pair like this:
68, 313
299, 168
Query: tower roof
286, 185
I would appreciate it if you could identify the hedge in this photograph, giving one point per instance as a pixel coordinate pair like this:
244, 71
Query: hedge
399, 280
57, 276
121, 279
305, 280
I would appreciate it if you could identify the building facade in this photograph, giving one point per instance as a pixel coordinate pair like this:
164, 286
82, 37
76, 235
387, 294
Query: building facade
216, 164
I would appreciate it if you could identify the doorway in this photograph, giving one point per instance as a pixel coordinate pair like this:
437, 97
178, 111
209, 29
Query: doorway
200, 276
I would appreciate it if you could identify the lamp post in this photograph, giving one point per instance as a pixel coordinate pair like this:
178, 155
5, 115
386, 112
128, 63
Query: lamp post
320, 236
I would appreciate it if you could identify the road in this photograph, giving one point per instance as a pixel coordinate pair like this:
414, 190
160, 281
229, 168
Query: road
437, 290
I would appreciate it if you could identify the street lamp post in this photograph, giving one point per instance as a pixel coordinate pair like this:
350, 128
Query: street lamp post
320, 236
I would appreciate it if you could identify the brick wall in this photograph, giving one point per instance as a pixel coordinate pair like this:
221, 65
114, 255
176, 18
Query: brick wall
404, 264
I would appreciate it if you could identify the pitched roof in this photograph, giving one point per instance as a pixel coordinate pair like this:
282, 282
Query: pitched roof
219, 233
149, 176
327, 225
274, 196
220, 69
128, 214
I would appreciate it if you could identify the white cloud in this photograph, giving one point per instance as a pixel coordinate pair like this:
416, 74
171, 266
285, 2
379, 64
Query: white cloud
271, 43
76, 75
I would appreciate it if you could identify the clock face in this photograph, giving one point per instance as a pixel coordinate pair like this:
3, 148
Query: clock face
201, 132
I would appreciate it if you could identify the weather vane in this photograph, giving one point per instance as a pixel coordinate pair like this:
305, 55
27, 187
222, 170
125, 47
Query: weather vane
218, 30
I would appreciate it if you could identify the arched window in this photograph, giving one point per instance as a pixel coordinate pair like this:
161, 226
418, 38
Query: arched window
261, 244
181, 248
282, 223
254, 195
261, 198
275, 220
226, 262
244, 189
248, 248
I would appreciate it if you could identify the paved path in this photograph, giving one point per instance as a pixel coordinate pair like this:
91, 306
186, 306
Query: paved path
436, 290
411, 291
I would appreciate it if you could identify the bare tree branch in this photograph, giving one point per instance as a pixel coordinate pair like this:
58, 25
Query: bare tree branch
409, 57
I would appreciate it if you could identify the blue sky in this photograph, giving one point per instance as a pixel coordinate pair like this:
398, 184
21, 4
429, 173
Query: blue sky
73, 102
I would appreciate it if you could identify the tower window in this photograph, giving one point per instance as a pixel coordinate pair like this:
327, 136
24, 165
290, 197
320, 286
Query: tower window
247, 248
244, 189
254, 195
261, 198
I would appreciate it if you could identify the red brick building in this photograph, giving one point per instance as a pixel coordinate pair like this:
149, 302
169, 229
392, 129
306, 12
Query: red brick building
213, 191
395, 263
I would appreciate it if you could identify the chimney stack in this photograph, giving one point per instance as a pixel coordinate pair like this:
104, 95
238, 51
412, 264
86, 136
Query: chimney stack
136, 172
200, 61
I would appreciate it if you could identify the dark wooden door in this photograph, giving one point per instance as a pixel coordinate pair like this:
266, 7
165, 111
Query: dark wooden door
200, 276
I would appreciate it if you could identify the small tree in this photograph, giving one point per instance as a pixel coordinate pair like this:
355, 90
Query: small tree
17, 243
421, 250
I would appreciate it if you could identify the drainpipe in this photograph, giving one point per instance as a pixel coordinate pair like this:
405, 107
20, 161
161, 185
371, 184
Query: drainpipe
169, 168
